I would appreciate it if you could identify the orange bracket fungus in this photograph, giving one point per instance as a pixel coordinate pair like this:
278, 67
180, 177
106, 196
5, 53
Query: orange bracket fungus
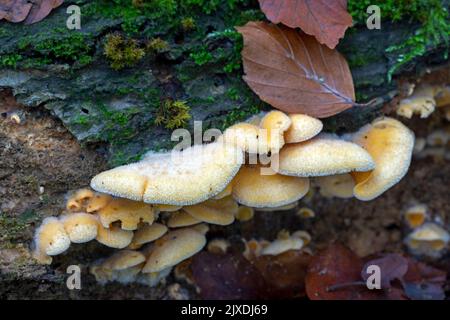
390, 143
323, 155
245, 213
50, 239
253, 189
274, 124
429, 239
147, 233
80, 227
79, 199
114, 237
303, 128
173, 248
123, 267
340, 185
416, 215
129, 213
161, 178
282, 245
266, 137
181, 219
98, 202
221, 211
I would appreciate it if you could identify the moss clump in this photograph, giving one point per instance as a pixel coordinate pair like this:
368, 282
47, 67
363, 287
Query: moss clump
201, 57
13, 227
432, 14
173, 114
188, 24
72, 48
157, 45
122, 52
10, 60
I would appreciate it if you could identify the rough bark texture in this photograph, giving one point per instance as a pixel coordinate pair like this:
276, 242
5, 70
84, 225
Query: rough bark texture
69, 95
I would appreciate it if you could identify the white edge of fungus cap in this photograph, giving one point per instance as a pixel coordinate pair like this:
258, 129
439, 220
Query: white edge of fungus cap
177, 178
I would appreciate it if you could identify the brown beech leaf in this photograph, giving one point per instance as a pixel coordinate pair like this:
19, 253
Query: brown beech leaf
423, 282
293, 72
41, 9
227, 277
392, 267
327, 20
335, 274
284, 273
14, 10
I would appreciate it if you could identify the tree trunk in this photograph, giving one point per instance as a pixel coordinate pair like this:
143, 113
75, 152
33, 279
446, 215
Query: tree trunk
66, 73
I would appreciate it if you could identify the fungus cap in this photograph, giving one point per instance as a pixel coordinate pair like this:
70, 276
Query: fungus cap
286, 207
152, 279
167, 207
339, 185
124, 259
114, 237
147, 233
79, 199
129, 213
305, 212
282, 245
98, 202
273, 126
303, 128
253, 248
203, 228
254, 188
245, 213
243, 135
173, 248
430, 232
177, 178
275, 119
443, 96
323, 155
226, 192
81, 227
421, 102
218, 246
220, 211
51, 238
302, 234
390, 143
428, 237
415, 216
181, 219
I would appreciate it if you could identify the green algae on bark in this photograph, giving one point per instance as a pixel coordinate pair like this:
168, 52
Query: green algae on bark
192, 53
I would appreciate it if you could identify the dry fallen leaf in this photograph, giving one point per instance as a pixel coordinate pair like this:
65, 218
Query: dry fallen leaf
284, 273
327, 20
226, 276
294, 73
392, 267
423, 282
335, 273
14, 10
41, 9
30, 11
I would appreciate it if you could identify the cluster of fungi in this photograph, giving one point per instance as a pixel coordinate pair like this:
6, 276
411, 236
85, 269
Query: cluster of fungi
157, 211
